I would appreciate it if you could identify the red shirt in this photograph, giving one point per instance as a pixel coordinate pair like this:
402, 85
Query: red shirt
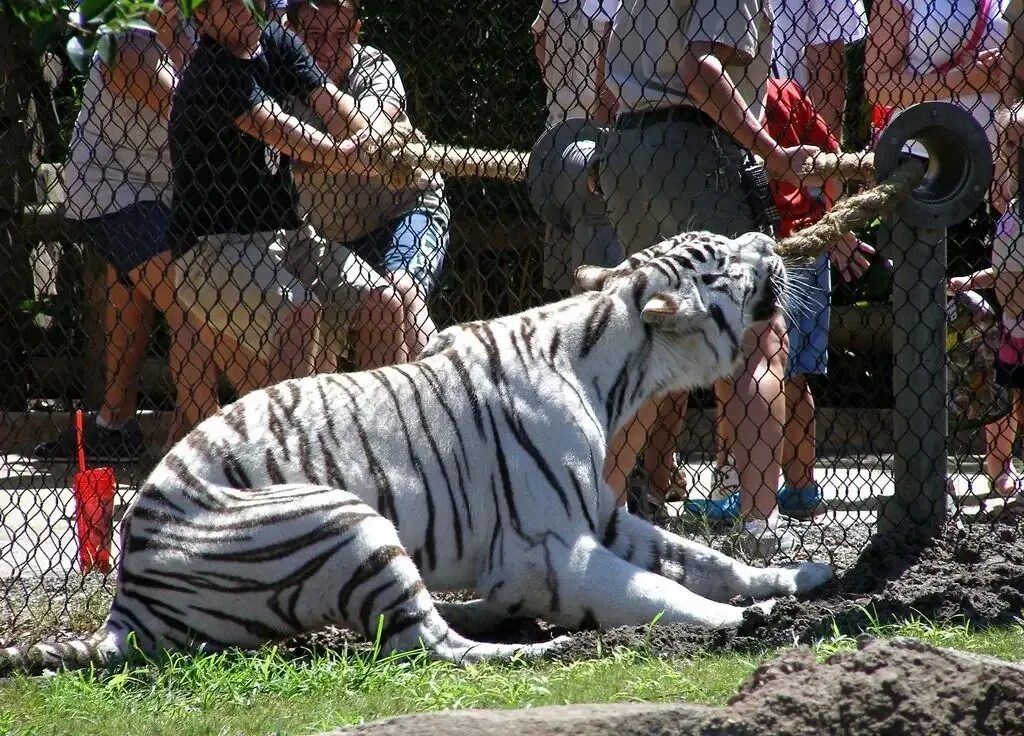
792, 121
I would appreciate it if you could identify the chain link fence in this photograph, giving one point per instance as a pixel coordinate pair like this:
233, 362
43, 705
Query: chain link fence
161, 249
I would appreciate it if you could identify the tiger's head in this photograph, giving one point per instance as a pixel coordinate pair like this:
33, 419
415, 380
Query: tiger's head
699, 292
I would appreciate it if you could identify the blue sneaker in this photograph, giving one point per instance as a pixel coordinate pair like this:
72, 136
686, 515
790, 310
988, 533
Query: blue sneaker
716, 509
800, 503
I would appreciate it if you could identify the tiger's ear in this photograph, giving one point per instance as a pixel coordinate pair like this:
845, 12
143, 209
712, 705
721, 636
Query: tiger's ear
590, 278
667, 310
660, 309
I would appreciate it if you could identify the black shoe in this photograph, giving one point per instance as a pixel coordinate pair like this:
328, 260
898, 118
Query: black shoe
102, 445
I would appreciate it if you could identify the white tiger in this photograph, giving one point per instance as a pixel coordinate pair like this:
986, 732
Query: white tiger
339, 499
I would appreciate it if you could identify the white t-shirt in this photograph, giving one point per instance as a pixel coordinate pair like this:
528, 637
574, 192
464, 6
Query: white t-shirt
572, 32
119, 154
938, 29
601, 10
803, 23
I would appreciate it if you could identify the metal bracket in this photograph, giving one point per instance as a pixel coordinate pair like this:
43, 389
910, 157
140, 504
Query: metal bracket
959, 162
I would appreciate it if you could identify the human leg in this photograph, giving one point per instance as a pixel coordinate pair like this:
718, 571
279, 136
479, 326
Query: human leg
807, 333
193, 369
757, 410
240, 288
413, 259
660, 454
625, 447
799, 453
127, 321
356, 298
1001, 434
123, 239
660, 180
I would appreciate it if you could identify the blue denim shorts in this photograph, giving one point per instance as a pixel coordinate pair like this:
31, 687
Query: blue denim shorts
129, 237
807, 319
416, 242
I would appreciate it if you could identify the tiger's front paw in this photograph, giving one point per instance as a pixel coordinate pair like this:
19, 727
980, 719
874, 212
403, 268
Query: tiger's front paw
803, 576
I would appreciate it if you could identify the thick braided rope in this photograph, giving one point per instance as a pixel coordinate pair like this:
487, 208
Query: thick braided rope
405, 156
852, 212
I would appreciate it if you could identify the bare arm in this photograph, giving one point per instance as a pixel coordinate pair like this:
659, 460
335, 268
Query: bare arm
984, 279
143, 73
826, 85
712, 90
171, 33
1013, 57
290, 136
606, 102
540, 52
888, 78
341, 112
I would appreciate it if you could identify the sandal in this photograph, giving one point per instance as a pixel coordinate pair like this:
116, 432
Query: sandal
725, 480
726, 510
679, 486
800, 503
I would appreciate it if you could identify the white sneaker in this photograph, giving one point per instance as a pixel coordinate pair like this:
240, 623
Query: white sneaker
725, 480
757, 541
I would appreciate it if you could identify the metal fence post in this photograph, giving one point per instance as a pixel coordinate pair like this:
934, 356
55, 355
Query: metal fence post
919, 378
914, 234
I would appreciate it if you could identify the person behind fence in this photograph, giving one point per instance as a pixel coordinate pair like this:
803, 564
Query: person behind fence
247, 264
403, 232
791, 119
949, 50
569, 42
691, 78
809, 47
570, 39
1006, 277
810, 44
117, 180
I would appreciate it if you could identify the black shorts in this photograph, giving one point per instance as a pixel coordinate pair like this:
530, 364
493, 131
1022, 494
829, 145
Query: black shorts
1009, 376
129, 237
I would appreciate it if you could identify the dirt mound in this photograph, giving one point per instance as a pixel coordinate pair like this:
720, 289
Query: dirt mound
890, 687
973, 573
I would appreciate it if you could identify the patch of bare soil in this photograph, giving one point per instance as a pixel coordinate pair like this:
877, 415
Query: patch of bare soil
969, 573
886, 687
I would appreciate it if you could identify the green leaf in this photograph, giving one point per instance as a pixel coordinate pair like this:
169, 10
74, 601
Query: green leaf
43, 35
139, 25
107, 49
93, 8
79, 53
188, 7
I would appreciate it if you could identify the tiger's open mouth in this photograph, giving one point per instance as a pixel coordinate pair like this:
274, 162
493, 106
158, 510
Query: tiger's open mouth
770, 302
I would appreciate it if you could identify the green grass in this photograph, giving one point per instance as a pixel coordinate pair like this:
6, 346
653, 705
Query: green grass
268, 693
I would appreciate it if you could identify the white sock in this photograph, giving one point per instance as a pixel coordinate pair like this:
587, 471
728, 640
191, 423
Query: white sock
101, 422
760, 526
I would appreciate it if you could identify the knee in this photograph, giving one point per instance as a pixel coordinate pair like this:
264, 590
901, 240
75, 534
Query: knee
407, 288
384, 305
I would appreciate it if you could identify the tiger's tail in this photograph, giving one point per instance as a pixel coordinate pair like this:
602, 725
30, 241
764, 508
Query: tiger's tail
104, 648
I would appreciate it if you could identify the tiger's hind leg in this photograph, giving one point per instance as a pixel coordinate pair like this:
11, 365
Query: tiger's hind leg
579, 582
386, 591
473, 617
703, 570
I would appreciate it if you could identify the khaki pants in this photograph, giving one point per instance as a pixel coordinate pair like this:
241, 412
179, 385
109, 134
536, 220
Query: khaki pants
667, 178
245, 285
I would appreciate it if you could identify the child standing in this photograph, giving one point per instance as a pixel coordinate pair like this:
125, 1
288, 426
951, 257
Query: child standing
791, 119
1006, 277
